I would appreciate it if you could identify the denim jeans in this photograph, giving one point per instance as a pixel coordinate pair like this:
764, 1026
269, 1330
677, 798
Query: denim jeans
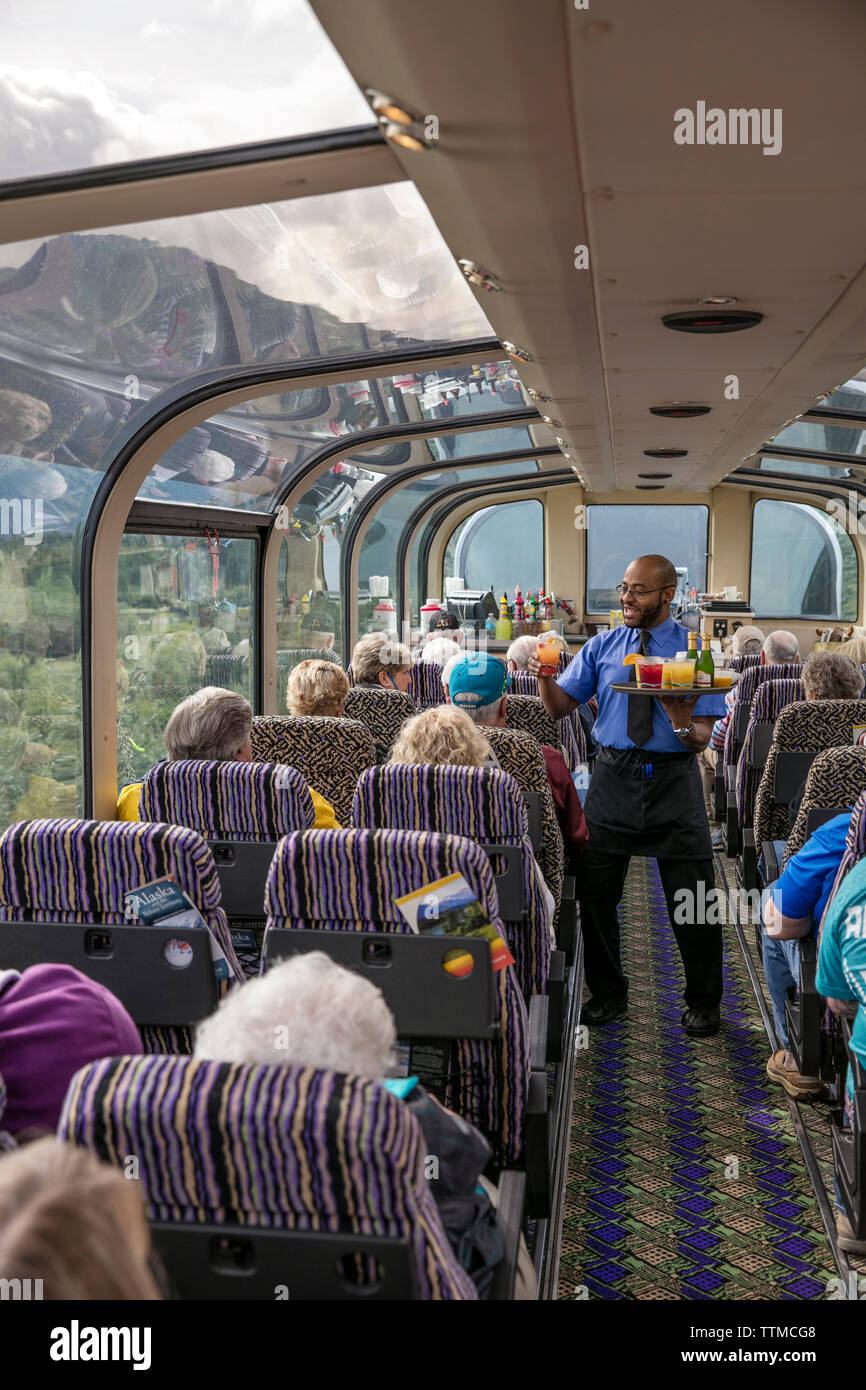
781, 971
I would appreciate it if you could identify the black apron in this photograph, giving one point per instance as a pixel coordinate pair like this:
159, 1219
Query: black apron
648, 804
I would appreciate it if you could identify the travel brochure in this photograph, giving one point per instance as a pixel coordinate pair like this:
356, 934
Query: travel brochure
448, 907
162, 903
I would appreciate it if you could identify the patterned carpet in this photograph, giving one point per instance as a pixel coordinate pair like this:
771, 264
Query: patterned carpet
685, 1178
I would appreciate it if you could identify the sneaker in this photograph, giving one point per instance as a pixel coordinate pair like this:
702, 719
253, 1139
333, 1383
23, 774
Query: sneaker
845, 1237
790, 1079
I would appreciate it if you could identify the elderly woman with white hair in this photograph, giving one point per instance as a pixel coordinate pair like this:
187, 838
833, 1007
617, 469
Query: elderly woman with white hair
214, 725
310, 1012
520, 653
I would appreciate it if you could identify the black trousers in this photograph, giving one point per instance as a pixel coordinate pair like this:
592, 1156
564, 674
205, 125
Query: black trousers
601, 881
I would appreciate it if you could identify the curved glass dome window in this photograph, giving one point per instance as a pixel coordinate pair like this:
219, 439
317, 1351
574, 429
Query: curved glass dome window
830, 439
244, 456
851, 396
95, 83
805, 468
803, 563
500, 546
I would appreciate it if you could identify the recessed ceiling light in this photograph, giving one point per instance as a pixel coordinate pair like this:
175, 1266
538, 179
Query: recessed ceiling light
550, 422
518, 353
478, 276
538, 396
708, 322
665, 454
679, 410
649, 487
655, 475
387, 109
718, 299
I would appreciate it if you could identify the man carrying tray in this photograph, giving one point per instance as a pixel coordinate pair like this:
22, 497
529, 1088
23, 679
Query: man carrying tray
645, 797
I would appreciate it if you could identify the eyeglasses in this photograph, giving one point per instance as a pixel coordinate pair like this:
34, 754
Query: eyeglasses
623, 589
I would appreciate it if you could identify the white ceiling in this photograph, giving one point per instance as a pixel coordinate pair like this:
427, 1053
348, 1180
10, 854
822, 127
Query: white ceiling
556, 129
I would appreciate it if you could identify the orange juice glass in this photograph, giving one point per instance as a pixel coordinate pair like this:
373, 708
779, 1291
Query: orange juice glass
682, 673
722, 679
547, 653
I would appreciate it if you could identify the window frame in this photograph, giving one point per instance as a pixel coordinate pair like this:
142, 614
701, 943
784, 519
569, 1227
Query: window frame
795, 617
595, 612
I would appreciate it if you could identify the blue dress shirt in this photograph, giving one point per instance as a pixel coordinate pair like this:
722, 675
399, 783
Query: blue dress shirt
599, 663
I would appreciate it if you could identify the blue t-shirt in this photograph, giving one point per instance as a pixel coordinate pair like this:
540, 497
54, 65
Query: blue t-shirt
804, 886
842, 954
599, 663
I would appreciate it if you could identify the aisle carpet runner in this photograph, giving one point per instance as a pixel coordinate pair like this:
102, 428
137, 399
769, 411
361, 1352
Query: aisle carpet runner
685, 1178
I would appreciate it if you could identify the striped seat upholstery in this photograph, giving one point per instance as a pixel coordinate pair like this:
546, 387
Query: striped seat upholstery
290, 657
519, 755
569, 731
809, 725
744, 693
347, 880
228, 800
80, 871
480, 803
837, 777
425, 684
285, 1148
329, 753
383, 712
228, 672
770, 699
746, 659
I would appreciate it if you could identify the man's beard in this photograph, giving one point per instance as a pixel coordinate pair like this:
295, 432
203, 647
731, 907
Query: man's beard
649, 618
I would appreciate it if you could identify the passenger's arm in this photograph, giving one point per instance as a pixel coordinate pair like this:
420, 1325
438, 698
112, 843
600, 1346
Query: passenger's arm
783, 928
844, 1008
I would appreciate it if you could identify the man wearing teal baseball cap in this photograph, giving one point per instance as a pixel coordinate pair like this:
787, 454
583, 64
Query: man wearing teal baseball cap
477, 683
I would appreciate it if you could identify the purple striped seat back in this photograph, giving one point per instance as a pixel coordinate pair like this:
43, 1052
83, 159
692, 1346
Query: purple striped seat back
483, 804
330, 1153
348, 880
746, 659
744, 693
425, 684
770, 699
228, 800
80, 871
329, 753
807, 726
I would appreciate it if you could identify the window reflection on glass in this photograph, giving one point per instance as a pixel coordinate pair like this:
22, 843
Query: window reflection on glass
499, 547
185, 620
617, 534
831, 439
309, 600
803, 563
805, 468
850, 396
108, 83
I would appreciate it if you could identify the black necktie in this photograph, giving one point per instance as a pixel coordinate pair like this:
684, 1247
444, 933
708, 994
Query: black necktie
640, 711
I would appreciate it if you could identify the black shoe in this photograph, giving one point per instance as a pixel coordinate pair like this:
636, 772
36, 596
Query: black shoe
701, 1023
599, 1011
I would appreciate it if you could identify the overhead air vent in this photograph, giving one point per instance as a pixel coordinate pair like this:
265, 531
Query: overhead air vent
663, 454
709, 321
649, 487
679, 410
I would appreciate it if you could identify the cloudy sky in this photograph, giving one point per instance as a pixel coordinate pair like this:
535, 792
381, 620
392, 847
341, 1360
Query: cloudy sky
94, 81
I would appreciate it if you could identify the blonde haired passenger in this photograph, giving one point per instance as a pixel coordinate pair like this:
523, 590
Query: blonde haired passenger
379, 660
443, 734
214, 725
317, 688
74, 1223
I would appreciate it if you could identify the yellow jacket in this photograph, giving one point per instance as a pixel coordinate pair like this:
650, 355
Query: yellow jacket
127, 807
